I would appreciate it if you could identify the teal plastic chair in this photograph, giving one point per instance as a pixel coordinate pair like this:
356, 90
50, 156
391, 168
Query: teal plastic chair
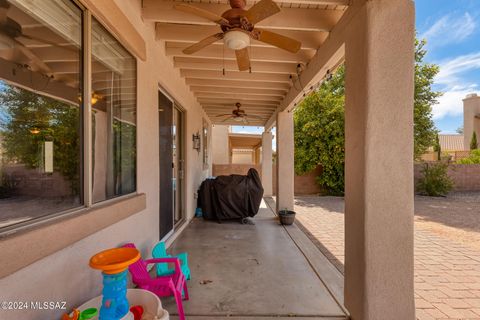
163, 269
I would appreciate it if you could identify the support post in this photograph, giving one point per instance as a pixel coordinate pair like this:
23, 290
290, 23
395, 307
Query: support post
285, 158
267, 164
379, 162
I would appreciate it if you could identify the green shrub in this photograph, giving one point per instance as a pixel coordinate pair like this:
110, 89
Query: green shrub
474, 158
473, 142
435, 181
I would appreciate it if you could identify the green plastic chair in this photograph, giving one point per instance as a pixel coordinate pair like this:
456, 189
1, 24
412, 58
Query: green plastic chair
163, 269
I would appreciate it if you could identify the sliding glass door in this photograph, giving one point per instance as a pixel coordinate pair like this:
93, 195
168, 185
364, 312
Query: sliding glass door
171, 164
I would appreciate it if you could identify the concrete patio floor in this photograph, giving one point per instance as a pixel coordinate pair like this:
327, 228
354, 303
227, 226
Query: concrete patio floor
259, 271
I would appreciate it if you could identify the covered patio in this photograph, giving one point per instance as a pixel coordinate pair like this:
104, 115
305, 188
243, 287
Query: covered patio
257, 272
142, 110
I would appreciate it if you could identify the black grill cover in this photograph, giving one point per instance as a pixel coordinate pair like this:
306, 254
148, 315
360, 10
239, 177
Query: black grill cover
231, 197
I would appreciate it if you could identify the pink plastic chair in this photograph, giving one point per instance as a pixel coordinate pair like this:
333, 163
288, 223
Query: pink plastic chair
163, 286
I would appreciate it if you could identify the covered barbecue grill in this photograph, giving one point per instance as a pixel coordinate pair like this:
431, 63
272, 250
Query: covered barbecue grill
231, 197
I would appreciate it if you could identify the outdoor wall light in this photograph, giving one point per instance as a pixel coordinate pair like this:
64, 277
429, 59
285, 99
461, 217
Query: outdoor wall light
236, 40
196, 141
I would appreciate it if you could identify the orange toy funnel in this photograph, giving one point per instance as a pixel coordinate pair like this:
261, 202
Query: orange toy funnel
113, 261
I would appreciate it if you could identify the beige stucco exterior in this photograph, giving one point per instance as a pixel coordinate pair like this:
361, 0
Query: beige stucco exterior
220, 147
379, 162
375, 38
65, 274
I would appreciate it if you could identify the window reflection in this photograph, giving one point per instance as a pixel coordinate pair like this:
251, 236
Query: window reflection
40, 123
114, 116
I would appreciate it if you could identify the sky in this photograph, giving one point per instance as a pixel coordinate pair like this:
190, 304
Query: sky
452, 31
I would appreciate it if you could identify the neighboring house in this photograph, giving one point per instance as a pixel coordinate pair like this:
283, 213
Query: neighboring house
451, 144
458, 145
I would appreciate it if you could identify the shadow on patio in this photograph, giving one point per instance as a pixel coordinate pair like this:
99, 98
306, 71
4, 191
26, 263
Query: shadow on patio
257, 271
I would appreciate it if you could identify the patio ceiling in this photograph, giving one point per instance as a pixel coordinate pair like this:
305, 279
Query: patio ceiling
262, 90
244, 141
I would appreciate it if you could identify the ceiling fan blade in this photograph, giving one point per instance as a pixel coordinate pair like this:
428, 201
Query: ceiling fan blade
261, 10
253, 116
203, 43
223, 115
202, 13
227, 119
277, 40
243, 60
33, 58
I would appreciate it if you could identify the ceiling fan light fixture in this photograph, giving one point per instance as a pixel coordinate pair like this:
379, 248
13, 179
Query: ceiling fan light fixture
238, 119
236, 40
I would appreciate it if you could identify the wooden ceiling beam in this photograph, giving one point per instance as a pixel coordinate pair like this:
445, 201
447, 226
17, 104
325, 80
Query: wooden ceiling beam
270, 54
192, 34
226, 111
236, 123
56, 54
233, 100
257, 106
273, 92
245, 105
195, 63
235, 75
237, 84
238, 96
287, 18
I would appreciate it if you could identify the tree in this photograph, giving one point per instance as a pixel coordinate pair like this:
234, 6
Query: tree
320, 126
29, 120
424, 98
320, 134
437, 148
460, 130
473, 141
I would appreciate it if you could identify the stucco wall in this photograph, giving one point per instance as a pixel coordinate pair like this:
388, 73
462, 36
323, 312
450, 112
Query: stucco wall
228, 169
242, 157
65, 275
466, 177
220, 143
304, 184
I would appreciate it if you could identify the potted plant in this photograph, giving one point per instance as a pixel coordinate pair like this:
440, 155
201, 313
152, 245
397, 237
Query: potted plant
287, 217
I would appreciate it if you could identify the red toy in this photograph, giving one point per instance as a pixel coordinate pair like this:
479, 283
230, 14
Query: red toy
137, 312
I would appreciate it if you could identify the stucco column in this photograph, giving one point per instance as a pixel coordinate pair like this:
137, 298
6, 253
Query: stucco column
285, 158
267, 164
379, 162
471, 108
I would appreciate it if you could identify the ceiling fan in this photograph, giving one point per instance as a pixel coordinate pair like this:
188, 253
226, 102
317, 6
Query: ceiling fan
238, 115
238, 27
11, 31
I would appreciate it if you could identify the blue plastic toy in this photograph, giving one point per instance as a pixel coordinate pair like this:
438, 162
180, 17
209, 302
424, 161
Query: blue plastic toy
163, 269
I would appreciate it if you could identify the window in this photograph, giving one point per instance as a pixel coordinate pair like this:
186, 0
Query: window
113, 116
40, 122
42, 141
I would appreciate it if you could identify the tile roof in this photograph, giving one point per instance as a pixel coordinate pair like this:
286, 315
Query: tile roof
451, 142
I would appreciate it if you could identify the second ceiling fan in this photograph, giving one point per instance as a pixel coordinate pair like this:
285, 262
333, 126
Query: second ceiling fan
238, 27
